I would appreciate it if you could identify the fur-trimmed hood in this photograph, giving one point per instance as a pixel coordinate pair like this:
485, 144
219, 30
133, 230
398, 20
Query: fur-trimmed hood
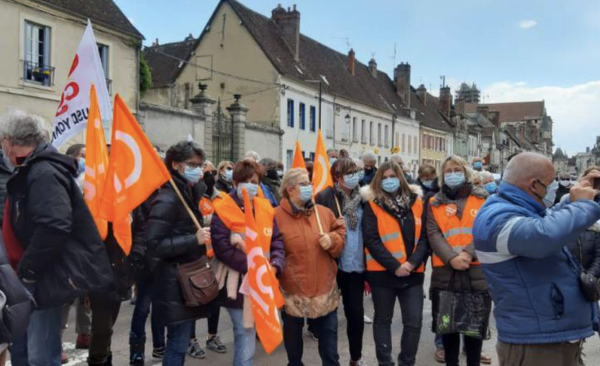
367, 194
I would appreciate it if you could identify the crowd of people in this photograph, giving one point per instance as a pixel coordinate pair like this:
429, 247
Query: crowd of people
529, 243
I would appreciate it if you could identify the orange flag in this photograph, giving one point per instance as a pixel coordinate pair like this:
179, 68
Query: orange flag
96, 163
298, 158
264, 287
321, 178
135, 170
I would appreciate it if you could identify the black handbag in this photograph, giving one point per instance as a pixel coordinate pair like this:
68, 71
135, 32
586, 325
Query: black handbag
589, 283
463, 311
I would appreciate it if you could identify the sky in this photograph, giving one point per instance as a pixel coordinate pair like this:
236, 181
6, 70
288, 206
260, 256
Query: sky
514, 50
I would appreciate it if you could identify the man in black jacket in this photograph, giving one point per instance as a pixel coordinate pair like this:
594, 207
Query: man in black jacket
51, 238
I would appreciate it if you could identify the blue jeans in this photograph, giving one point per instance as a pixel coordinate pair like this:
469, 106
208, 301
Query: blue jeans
244, 339
326, 328
140, 315
41, 346
178, 339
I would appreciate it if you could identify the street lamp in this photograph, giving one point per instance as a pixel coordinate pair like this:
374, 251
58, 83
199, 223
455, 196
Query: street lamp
320, 82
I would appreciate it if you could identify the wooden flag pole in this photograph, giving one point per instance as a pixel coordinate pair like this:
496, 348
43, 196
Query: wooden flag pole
187, 208
318, 218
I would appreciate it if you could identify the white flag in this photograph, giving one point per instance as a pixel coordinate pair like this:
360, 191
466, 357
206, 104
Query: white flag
71, 116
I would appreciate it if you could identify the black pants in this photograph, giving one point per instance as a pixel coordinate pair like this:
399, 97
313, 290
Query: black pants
452, 349
105, 310
212, 318
411, 307
326, 327
352, 286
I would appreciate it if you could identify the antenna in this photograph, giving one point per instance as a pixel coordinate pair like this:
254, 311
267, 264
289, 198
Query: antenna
443, 79
394, 56
348, 45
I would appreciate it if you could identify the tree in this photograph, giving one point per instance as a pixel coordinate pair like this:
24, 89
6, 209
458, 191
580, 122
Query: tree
145, 75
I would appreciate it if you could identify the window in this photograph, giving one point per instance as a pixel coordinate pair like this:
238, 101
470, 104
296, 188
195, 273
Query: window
354, 130
103, 52
290, 113
371, 133
363, 131
289, 158
409, 144
403, 143
379, 134
386, 139
312, 156
36, 61
415, 145
302, 116
313, 118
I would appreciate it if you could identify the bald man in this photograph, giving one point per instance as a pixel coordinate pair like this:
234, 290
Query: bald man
541, 313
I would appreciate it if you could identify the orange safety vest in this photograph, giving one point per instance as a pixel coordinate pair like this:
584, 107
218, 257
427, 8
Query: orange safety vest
207, 209
457, 232
233, 218
390, 233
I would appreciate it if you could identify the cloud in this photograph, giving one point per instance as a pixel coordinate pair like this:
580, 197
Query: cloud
526, 24
575, 109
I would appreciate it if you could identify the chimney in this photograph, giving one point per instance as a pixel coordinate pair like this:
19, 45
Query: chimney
155, 44
352, 62
402, 81
288, 23
373, 68
422, 93
484, 110
189, 38
445, 100
459, 106
494, 117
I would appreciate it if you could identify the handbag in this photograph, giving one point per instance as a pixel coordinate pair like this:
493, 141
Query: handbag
589, 283
463, 311
198, 282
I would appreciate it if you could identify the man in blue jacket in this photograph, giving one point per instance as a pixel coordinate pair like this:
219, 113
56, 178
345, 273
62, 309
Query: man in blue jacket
541, 313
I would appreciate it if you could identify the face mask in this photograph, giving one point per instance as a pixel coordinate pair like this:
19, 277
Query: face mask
251, 188
550, 196
80, 166
361, 174
491, 187
272, 174
280, 174
332, 160
351, 180
209, 180
427, 183
565, 183
478, 165
369, 171
228, 176
306, 193
454, 180
390, 185
193, 175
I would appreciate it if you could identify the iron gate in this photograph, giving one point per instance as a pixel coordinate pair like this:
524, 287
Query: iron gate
222, 136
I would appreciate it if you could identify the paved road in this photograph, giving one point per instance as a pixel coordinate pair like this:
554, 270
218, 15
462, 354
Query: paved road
278, 358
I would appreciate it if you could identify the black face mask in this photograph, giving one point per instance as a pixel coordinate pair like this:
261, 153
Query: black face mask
209, 180
272, 174
369, 171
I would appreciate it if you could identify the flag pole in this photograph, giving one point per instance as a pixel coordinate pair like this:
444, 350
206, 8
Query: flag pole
187, 208
318, 218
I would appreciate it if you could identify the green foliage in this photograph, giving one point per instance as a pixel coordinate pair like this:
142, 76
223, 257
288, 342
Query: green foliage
145, 75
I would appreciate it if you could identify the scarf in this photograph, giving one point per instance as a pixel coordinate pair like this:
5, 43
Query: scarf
351, 203
398, 205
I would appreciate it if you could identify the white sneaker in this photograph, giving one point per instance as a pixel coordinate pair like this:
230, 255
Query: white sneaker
368, 320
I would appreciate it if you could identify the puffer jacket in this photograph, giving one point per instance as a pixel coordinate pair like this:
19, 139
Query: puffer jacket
534, 279
171, 237
5, 175
63, 251
309, 276
440, 277
586, 249
142, 264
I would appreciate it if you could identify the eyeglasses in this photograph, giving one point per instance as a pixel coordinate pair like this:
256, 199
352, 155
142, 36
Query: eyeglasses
304, 184
193, 165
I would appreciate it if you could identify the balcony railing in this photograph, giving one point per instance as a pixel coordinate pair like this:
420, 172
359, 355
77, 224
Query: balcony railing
39, 74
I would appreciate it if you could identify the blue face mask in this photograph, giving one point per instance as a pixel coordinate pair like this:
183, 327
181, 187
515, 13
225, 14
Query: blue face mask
332, 160
351, 180
478, 165
228, 175
454, 180
80, 166
491, 187
390, 185
251, 188
192, 175
306, 193
427, 183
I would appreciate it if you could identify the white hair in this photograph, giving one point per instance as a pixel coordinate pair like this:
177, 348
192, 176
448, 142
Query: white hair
369, 155
24, 129
252, 155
